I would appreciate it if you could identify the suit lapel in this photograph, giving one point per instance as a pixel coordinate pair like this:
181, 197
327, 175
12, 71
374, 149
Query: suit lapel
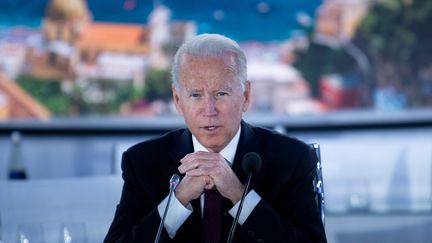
182, 146
247, 143
250, 142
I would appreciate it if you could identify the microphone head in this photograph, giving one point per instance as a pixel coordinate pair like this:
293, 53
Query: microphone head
251, 163
174, 181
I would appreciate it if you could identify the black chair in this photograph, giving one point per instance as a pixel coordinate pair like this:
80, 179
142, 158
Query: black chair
318, 182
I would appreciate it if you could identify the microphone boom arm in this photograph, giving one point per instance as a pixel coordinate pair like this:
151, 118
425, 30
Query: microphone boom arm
234, 225
173, 184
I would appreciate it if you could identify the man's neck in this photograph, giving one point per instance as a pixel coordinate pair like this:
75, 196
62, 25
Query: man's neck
228, 152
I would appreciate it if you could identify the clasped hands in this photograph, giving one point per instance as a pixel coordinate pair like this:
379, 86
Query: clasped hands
207, 170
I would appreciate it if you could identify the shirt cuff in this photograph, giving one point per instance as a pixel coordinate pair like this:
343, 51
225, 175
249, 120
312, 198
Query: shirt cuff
251, 200
176, 214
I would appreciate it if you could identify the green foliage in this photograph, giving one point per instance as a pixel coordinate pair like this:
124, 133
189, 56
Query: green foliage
48, 92
397, 30
127, 92
319, 60
396, 36
157, 85
99, 96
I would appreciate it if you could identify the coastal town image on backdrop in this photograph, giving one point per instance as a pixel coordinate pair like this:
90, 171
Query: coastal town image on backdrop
79, 58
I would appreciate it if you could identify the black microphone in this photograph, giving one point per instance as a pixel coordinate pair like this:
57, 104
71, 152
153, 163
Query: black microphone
251, 165
174, 181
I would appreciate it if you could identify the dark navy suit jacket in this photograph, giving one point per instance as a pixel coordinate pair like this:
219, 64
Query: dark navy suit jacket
286, 213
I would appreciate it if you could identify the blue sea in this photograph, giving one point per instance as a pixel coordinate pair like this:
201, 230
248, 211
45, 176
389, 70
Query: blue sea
238, 19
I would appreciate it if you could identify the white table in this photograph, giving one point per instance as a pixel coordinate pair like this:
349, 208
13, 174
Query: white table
90, 201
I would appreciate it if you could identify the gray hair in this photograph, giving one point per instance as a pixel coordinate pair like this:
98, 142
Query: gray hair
210, 45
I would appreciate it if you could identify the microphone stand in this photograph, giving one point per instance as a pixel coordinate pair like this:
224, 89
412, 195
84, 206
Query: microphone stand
173, 184
234, 224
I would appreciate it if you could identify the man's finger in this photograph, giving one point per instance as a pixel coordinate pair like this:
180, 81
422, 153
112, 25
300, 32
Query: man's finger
187, 167
203, 170
195, 163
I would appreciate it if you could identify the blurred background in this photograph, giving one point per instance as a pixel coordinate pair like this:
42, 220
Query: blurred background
81, 81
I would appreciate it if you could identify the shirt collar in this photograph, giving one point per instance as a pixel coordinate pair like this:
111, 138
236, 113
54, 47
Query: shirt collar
228, 152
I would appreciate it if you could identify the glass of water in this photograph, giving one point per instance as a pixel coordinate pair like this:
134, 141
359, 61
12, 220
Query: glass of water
73, 233
30, 233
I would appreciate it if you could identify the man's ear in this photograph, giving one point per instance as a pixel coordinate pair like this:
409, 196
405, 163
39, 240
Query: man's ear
247, 96
176, 100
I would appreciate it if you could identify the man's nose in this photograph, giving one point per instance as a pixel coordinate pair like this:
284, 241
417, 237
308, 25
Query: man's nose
210, 108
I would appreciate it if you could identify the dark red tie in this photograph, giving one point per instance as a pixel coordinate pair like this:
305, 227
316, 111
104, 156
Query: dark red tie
212, 220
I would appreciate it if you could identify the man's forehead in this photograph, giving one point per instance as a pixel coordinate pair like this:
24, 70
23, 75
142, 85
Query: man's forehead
227, 58
204, 86
195, 75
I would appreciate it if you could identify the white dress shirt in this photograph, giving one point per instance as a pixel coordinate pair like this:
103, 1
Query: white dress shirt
177, 213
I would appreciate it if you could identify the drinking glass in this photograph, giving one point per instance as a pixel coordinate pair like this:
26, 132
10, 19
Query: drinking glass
30, 233
359, 196
73, 233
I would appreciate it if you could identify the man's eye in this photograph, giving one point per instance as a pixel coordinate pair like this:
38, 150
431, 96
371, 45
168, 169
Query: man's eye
195, 95
221, 93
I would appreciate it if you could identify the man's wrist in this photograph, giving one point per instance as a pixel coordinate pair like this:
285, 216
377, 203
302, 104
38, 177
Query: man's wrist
176, 215
180, 197
237, 195
251, 201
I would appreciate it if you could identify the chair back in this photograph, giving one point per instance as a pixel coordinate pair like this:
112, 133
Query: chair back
318, 182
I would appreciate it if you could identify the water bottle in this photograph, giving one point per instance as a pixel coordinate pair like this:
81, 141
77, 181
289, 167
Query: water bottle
16, 170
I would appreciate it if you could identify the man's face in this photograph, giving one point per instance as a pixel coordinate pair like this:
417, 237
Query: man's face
211, 99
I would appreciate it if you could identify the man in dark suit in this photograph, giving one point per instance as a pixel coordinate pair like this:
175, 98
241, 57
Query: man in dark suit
211, 92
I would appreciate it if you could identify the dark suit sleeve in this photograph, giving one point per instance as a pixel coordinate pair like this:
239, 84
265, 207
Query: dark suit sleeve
136, 219
294, 217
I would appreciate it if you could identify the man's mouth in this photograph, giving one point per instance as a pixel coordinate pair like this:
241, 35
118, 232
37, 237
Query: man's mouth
210, 128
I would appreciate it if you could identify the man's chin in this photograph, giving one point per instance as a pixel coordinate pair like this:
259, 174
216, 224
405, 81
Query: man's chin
213, 147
